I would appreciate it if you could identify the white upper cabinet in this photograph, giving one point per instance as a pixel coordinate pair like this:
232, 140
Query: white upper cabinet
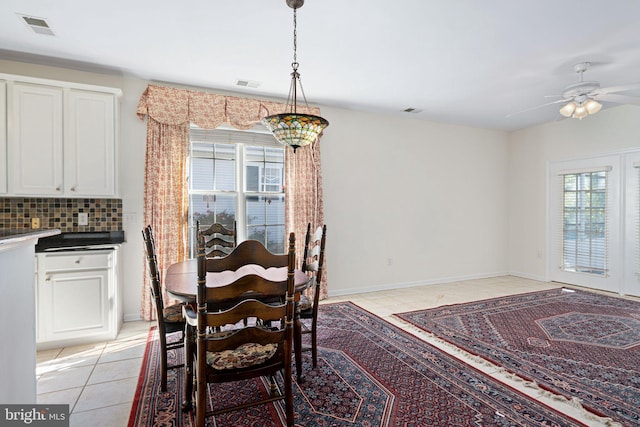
61, 140
90, 144
35, 139
3, 136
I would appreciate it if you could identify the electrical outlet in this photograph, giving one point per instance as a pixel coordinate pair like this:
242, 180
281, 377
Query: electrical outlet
35, 222
83, 218
130, 217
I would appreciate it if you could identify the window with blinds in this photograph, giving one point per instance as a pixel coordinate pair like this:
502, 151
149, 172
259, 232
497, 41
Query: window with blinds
237, 176
584, 222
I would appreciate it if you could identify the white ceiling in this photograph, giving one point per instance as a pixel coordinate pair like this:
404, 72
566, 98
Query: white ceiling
468, 62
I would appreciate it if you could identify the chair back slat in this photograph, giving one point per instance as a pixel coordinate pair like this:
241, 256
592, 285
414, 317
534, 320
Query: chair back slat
218, 241
250, 285
317, 236
247, 252
218, 228
246, 309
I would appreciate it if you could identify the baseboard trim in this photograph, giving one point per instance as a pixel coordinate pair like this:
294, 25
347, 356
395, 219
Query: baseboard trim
401, 285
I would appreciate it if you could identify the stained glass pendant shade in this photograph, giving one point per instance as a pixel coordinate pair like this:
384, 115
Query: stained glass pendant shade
292, 128
295, 130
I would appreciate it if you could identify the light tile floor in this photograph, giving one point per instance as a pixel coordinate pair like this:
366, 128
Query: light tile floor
98, 381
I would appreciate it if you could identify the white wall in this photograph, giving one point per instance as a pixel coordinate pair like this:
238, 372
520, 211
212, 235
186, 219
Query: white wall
429, 199
611, 130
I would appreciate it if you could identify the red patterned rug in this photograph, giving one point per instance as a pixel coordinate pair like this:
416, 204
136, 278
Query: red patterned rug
577, 344
370, 374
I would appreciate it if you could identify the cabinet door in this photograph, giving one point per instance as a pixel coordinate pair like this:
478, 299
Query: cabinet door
35, 140
90, 144
3, 137
73, 305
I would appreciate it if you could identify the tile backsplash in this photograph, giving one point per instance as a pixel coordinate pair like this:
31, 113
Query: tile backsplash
62, 213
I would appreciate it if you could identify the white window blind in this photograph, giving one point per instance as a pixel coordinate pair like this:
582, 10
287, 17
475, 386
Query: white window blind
584, 221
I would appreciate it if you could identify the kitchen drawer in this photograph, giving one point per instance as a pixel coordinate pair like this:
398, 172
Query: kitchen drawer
80, 260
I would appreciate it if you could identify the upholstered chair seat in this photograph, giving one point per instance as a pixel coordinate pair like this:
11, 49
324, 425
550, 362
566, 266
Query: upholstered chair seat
173, 314
305, 303
248, 354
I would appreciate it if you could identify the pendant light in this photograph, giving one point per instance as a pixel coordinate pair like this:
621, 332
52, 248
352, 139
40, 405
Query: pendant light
292, 128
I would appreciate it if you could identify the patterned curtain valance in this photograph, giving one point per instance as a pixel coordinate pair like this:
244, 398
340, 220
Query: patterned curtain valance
174, 106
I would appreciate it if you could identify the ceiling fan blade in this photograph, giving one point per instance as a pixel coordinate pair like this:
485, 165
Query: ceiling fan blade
621, 88
538, 106
619, 99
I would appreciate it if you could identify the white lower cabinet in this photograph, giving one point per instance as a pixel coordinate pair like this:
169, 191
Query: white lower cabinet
77, 297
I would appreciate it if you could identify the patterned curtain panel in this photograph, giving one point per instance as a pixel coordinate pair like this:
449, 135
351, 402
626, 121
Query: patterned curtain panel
165, 198
169, 112
303, 201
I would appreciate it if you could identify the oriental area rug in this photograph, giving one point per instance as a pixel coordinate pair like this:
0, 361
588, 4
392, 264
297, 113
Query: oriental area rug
573, 343
370, 374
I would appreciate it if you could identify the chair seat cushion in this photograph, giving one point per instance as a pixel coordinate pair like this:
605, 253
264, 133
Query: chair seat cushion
246, 355
305, 303
173, 314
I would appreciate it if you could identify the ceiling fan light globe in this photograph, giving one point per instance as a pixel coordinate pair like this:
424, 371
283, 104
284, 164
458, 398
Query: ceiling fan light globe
581, 111
568, 109
592, 106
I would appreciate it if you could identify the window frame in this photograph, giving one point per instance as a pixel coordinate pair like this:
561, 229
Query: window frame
255, 137
555, 271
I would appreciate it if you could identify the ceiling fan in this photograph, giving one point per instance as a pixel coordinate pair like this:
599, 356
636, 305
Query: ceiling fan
582, 98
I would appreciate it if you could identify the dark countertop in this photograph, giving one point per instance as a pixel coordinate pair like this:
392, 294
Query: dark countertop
8, 236
79, 240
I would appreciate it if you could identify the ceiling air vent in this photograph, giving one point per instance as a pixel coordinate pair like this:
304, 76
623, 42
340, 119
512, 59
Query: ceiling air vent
247, 83
38, 25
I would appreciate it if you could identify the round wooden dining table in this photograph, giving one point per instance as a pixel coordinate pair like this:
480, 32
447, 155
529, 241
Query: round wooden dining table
181, 282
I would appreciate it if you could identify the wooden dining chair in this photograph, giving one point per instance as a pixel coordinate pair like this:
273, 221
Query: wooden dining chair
243, 346
169, 319
312, 263
219, 240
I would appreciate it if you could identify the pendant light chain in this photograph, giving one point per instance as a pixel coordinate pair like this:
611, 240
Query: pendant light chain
290, 128
295, 64
295, 39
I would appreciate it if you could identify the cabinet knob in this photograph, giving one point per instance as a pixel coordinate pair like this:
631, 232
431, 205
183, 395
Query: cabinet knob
58, 188
78, 261
73, 188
